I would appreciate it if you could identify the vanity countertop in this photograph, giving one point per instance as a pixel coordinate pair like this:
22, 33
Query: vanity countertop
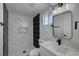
61, 50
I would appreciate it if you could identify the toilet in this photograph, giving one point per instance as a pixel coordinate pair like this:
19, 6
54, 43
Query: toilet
36, 51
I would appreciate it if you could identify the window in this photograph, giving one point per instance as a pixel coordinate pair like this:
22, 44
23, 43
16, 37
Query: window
47, 18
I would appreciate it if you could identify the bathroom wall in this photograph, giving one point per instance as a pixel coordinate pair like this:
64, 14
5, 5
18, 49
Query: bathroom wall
19, 42
46, 30
1, 30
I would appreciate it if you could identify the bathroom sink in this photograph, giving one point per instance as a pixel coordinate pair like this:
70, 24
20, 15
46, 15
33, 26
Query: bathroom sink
60, 50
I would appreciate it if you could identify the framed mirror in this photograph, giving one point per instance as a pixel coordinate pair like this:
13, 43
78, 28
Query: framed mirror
62, 25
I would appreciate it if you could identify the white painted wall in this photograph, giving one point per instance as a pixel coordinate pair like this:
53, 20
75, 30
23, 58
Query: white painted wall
1, 29
46, 31
17, 41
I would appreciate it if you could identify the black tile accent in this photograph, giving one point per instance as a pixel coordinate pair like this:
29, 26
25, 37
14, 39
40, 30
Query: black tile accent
36, 30
5, 30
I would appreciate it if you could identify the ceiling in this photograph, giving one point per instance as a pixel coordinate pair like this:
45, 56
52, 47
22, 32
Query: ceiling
27, 9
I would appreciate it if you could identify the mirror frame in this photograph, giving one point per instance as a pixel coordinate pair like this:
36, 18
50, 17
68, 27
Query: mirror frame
71, 25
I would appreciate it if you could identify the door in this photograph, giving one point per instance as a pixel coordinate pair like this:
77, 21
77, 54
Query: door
1, 29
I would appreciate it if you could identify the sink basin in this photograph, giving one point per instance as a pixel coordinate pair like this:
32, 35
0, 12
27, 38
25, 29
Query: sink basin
60, 50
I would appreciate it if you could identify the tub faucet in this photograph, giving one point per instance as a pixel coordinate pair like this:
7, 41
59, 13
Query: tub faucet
59, 41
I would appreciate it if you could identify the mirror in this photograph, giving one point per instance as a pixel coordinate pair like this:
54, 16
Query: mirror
62, 26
